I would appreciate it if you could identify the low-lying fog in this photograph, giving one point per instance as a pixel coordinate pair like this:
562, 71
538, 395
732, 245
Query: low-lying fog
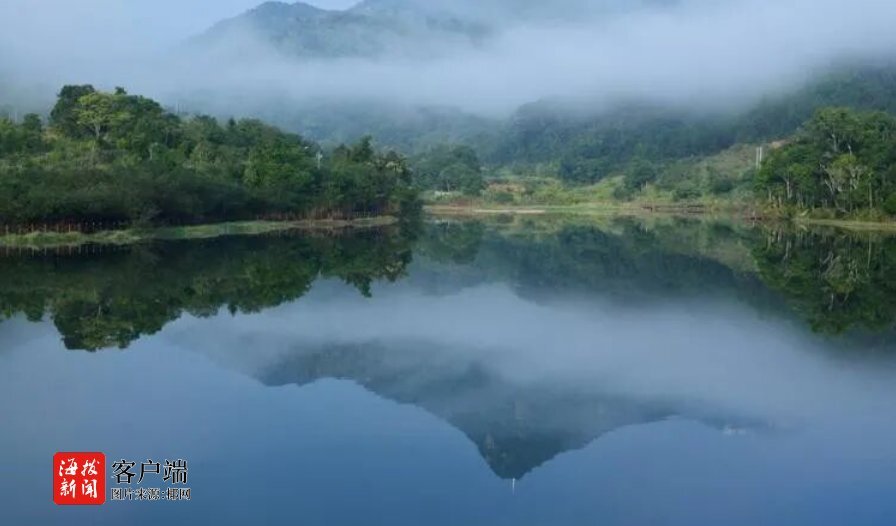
711, 53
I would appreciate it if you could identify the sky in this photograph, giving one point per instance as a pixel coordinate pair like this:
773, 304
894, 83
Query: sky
166, 20
193, 16
702, 52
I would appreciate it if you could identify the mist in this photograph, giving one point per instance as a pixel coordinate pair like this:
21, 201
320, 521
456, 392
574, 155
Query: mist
593, 346
696, 53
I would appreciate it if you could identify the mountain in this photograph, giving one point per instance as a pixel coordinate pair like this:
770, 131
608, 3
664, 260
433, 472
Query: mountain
397, 28
591, 145
402, 28
500, 13
584, 140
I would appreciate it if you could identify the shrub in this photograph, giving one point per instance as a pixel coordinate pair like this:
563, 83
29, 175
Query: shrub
686, 190
890, 205
721, 185
623, 193
503, 198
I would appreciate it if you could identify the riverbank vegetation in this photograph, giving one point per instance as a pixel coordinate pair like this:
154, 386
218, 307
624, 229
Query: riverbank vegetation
841, 163
752, 162
720, 181
113, 158
119, 161
447, 169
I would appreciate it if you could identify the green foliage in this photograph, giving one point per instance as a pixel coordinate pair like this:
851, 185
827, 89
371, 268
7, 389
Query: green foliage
26, 137
64, 114
639, 173
594, 147
450, 169
503, 198
686, 190
860, 88
113, 157
588, 148
842, 160
889, 205
622, 193
578, 169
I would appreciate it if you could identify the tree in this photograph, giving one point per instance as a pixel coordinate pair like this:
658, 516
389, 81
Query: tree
462, 178
363, 151
845, 175
835, 130
124, 158
450, 168
97, 113
63, 116
842, 160
32, 132
639, 173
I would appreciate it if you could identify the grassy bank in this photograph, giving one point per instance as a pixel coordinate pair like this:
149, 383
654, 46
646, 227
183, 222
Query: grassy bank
738, 213
126, 236
542, 193
597, 208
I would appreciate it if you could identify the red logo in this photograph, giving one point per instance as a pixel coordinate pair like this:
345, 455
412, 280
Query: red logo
79, 479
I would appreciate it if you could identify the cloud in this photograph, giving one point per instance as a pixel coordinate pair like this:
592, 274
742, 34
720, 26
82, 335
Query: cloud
694, 51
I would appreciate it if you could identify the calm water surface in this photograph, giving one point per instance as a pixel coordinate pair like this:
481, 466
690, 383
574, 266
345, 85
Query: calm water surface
511, 372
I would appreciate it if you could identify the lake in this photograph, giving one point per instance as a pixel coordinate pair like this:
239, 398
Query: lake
508, 370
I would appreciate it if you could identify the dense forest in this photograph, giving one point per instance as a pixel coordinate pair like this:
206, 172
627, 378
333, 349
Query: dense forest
118, 158
579, 145
551, 150
587, 147
448, 168
114, 157
841, 160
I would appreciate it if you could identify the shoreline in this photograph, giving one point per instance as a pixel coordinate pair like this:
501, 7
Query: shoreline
600, 209
693, 210
49, 239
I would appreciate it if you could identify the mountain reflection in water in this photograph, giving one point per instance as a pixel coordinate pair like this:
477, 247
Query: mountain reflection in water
532, 338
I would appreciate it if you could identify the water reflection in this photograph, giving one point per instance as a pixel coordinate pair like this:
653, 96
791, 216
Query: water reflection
527, 338
516, 425
112, 297
833, 280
